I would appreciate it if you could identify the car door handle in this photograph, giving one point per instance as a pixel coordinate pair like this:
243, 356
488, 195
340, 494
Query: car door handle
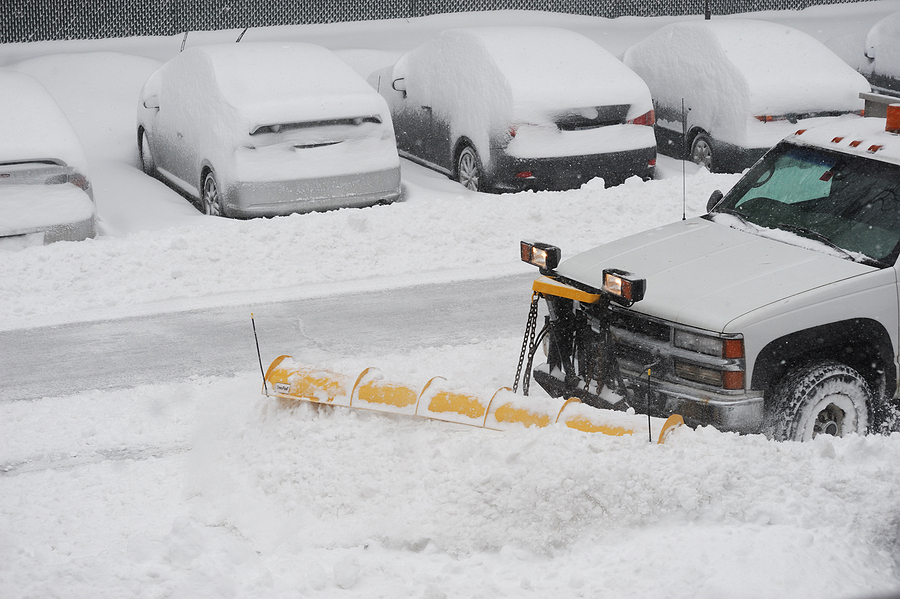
428, 108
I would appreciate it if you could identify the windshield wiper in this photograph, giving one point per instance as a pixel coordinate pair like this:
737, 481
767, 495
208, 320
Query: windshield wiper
738, 216
809, 233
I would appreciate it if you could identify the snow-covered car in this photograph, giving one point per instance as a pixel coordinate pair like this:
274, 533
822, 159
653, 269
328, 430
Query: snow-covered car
506, 109
876, 55
45, 192
265, 129
776, 312
727, 90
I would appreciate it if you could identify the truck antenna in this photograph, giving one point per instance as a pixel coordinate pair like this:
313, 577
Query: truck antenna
259, 356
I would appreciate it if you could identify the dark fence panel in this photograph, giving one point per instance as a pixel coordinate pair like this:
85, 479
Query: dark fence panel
35, 20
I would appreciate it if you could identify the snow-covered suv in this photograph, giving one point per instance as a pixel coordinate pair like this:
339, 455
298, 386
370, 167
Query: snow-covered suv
776, 312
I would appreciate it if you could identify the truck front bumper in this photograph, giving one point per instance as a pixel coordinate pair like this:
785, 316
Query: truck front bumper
741, 413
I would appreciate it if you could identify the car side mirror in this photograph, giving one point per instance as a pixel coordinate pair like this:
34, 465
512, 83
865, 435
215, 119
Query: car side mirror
399, 85
714, 198
151, 102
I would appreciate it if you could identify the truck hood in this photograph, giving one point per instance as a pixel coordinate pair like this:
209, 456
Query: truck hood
704, 274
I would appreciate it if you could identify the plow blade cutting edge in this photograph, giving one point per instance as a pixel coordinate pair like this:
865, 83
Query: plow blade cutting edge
439, 401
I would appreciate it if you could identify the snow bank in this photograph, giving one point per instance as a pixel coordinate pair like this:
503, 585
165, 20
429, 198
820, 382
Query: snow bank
469, 234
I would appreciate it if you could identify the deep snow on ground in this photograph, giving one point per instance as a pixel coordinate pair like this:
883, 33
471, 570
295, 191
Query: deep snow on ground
204, 488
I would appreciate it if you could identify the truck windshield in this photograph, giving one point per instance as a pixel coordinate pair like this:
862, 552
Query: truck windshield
846, 202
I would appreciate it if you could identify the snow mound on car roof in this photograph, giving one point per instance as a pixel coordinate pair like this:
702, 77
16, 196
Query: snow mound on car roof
732, 69
549, 69
268, 82
33, 126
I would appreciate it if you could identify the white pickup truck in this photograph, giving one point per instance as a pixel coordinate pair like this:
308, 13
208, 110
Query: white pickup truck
777, 312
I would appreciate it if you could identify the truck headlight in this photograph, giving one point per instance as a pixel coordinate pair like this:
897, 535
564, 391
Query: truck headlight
542, 255
623, 287
709, 345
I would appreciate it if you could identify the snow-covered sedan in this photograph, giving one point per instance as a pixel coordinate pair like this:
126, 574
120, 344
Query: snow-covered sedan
507, 109
45, 192
727, 90
265, 129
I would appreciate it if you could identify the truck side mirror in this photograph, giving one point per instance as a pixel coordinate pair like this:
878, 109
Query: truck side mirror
714, 198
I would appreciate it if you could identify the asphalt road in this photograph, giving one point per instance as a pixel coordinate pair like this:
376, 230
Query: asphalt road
68, 359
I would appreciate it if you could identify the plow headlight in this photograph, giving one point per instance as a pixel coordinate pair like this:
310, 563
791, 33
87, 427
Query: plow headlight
623, 287
542, 255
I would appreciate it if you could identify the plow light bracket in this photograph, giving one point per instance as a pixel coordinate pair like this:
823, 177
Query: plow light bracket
623, 287
543, 255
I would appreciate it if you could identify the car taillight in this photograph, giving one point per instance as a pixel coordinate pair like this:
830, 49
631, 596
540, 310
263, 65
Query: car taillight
648, 119
79, 180
525, 175
512, 131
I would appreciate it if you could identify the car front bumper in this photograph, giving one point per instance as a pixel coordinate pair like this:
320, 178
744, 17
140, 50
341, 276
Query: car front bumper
278, 198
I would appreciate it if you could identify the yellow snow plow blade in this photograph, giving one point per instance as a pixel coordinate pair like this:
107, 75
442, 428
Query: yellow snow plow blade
437, 400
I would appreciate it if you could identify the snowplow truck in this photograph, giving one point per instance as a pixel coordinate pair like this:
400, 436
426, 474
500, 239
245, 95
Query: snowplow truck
775, 312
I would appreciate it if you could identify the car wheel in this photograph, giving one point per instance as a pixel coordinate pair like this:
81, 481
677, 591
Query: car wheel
211, 198
701, 151
148, 165
825, 398
468, 169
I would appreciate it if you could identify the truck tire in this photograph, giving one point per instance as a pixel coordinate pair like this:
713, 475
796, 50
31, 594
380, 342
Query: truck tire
821, 398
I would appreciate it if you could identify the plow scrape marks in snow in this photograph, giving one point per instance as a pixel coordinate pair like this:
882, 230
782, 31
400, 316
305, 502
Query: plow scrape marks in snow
438, 401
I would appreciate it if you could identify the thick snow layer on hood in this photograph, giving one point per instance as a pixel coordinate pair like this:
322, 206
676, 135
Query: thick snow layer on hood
745, 271
727, 70
32, 125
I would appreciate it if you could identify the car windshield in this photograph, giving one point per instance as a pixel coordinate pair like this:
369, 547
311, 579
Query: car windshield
848, 203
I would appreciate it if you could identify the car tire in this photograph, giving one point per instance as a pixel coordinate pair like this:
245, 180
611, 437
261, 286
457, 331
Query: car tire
210, 197
468, 169
702, 151
820, 398
148, 164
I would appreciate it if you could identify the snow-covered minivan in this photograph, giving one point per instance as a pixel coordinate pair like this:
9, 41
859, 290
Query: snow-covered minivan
776, 312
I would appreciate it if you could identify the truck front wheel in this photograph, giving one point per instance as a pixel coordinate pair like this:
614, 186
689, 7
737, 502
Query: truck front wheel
825, 398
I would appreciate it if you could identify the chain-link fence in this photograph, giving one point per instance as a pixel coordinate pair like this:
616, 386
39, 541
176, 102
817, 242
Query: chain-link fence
35, 20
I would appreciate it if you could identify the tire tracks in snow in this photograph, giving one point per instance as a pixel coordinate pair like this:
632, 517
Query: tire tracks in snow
61, 461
